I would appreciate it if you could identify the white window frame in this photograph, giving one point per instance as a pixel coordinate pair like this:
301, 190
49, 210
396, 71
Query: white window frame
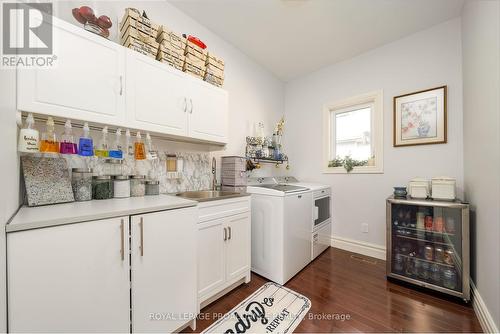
373, 99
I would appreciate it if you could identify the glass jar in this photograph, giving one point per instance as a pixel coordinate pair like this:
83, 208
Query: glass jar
152, 188
138, 186
102, 187
121, 186
81, 183
113, 167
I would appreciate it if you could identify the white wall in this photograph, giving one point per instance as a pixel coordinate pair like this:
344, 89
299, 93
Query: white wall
254, 94
481, 86
9, 168
424, 60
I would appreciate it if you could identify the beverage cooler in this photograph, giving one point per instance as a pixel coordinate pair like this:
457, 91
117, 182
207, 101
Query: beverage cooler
428, 244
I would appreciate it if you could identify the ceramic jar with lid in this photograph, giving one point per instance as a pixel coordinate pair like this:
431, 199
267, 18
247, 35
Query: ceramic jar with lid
102, 187
138, 186
121, 185
152, 188
81, 182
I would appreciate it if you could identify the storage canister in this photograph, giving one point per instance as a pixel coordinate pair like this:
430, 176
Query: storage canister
81, 182
113, 167
102, 187
121, 185
443, 188
152, 188
138, 186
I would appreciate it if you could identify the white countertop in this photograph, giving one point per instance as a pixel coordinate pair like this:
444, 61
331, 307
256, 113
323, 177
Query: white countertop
60, 214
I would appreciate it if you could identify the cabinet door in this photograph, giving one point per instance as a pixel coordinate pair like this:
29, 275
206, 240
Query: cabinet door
156, 95
70, 278
211, 269
85, 82
238, 245
208, 112
163, 270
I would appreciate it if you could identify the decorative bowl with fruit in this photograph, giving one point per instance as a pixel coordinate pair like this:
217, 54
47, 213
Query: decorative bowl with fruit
98, 25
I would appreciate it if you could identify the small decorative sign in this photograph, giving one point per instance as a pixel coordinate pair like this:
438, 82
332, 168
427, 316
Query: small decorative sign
420, 117
271, 309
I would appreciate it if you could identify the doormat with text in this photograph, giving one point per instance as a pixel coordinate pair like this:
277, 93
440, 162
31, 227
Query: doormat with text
271, 309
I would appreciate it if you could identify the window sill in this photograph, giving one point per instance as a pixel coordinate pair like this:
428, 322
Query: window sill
356, 170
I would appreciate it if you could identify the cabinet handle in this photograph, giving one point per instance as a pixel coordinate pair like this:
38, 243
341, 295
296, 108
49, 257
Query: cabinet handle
121, 85
122, 250
185, 104
141, 224
229, 228
191, 110
225, 234
300, 196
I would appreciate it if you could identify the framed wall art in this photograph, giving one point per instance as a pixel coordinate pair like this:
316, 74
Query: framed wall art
420, 117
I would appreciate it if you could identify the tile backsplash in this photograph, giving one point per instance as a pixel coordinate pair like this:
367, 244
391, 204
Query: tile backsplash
196, 173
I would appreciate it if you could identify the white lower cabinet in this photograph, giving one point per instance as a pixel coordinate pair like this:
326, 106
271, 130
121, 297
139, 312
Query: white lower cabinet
163, 270
224, 239
70, 278
85, 277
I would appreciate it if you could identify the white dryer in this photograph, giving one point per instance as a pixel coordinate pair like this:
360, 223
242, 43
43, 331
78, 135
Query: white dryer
321, 226
281, 228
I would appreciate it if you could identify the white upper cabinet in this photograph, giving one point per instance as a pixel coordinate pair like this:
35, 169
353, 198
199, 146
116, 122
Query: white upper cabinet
208, 112
100, 81
86, 82
156, 96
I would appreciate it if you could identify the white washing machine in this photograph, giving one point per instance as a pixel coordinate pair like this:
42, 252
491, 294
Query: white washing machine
281, 228
321, 226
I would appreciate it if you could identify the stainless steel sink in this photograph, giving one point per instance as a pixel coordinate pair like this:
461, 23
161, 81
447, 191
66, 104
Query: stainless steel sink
208, 195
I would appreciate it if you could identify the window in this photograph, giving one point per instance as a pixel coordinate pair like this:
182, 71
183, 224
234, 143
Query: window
354, 135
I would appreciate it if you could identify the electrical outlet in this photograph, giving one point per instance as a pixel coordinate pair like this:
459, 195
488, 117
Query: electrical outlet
364, 228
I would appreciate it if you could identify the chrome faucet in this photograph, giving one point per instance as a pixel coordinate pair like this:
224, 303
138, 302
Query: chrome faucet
214, 169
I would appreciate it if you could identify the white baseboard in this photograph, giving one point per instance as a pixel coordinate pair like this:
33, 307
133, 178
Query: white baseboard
485, 319
360, 247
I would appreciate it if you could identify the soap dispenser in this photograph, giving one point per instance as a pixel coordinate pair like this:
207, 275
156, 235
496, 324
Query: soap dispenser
129, 145
139, 150
28, 137
116, 151
68, 144
151, 153
85, 144
49, 142
101, 149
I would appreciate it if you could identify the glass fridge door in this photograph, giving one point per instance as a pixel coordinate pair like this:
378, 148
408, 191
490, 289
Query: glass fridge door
427, 244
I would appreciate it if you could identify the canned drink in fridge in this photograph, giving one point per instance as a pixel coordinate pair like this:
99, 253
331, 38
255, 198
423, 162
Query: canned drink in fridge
448, 256
438, 254
450, 279
420, 220
429, 222
429, 253
439, 224
398, 263
425, 271
435, 273
450, 225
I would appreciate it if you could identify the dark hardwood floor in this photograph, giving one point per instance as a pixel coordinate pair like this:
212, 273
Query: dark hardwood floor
339, 284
